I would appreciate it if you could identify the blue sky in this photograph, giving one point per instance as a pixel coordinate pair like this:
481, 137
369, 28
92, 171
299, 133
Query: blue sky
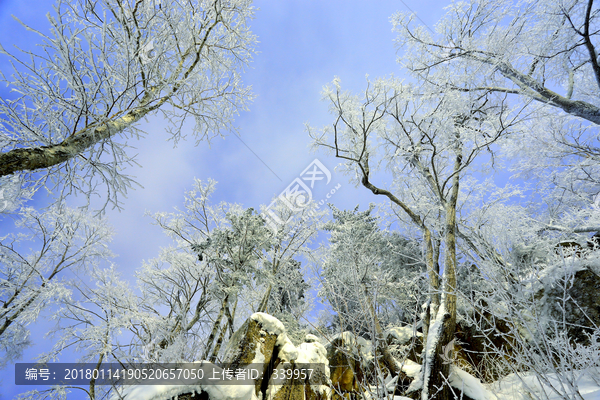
303, 45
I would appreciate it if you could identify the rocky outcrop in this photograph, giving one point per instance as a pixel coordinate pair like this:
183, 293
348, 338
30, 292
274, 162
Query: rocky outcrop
346, 369
303, 372
255, 343
479, 344
347, 354
316, 387
286, 371
581, 309
354, 368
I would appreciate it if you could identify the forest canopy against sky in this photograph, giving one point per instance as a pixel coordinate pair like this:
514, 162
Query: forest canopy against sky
144, 144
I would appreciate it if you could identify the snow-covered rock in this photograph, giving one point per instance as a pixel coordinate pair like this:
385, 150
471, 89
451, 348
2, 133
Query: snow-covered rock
303, 372
465, 385
405, 340
254, 343
287, 372
582, 308
474, 342
347, 355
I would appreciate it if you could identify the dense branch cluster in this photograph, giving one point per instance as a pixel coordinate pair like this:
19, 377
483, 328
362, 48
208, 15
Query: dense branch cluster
459, 276
104, 67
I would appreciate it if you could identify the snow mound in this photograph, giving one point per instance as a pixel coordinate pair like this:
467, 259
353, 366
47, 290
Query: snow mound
269, 323
459, 379
310, 338
411, 368
312, 353
402, 334
528, 386
355, 344
287, 351
162, 392
469, 385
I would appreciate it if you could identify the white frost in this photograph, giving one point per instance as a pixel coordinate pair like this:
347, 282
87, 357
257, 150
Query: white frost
470, 385
269, 323
402, 334
459, 379
527, 386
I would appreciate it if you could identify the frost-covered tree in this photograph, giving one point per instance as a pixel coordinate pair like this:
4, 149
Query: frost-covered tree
430, 143
217, 254
370, 278
289, 291
97, 322
284, 272
190, 298
364, 265
103, 67
542, 50
543, 55
35, 265
221, 266
289, 299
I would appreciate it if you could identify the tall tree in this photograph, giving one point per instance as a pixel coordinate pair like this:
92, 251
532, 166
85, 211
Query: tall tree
59, 240
542, 50
366, 270
105, 66
362, 264
429, 141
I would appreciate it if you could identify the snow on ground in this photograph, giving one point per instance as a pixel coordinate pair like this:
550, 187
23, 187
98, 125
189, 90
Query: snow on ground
459, 379
528, 387
163, 392
512, 387
411, 368
402, 334
469, 385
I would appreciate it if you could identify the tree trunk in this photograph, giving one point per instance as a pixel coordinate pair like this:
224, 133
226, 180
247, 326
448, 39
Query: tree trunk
265, 300
92, 390
34, 158
215, 329
433, 271
437, 369
388, 359
215, 352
